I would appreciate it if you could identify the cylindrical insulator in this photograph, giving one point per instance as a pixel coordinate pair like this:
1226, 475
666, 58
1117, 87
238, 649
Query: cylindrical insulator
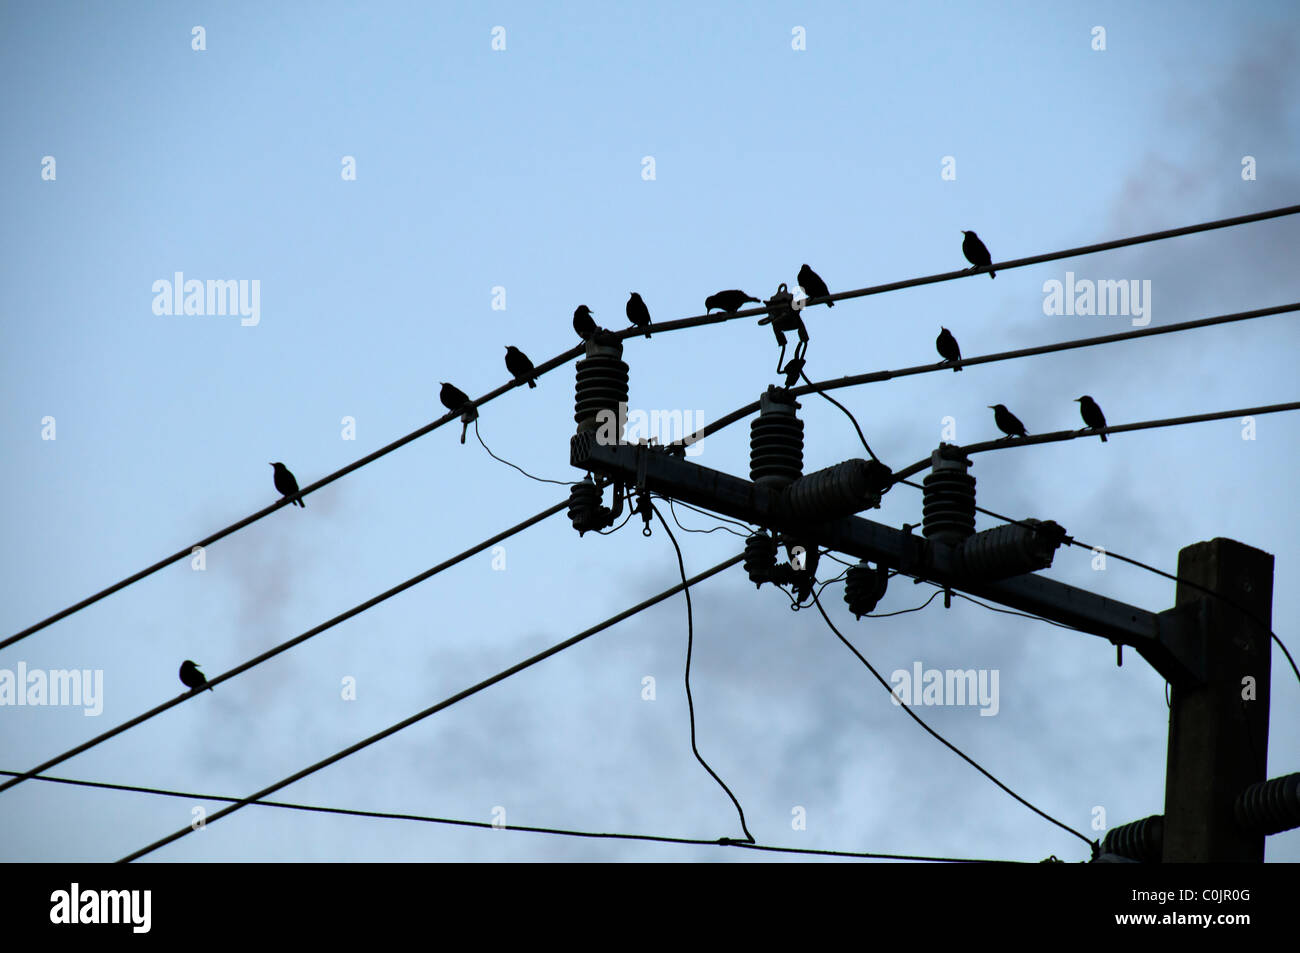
584, 506
841, 490
760, 557
948, 513
1141, 840
1011, 550
602, 385
1270, 807
776, 441
864, 587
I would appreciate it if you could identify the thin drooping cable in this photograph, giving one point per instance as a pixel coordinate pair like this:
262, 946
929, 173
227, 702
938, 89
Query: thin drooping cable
875, 377
721, 526
917, 718
861, 436
285, 646
1023, 615
487, 825
696, 321
690, 645
445, 703
886, 615
716, 516
519, 468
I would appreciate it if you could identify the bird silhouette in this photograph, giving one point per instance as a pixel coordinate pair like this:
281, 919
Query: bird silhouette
518, 364
638, 313
1092, 415
286, 484
192, 677
812, 283
1007, 422
947, 347
976, 253
729, 301
454, 399
583, 323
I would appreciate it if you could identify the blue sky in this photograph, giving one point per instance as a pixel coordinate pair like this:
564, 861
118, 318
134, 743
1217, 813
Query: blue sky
522, 169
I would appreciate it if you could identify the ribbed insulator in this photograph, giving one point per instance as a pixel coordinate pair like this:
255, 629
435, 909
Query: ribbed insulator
948, 513
1270, 807
1141, 840
760, 557
864, 587
1011, 550
584, 506
602, 385
841, 490
776, 441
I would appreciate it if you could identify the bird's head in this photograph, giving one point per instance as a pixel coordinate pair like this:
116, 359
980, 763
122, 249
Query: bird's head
276, 465
996, 407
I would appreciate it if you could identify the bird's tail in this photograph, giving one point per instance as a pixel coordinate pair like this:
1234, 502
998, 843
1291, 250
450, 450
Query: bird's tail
647, 333
531, 382
956, 369
209, 687
301, 503
992, 274
1103, 438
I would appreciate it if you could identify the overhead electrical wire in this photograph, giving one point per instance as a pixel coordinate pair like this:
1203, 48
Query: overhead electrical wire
522, 828
660, 327
285, 646
434, 709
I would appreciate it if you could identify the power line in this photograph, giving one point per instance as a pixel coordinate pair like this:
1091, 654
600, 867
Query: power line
434, 709
690, 645
875, 377
285, 646
566, 356
1059, 435
485, 825
917, 718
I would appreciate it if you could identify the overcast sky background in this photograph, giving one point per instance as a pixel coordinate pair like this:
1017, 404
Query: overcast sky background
522, 168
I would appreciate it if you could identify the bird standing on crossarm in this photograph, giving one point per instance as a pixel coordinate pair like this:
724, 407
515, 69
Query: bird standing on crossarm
519, 366
191, 677
1092, 415
947, 347
813, 285
583, 322
638, 313
976, 253
1007, 422
286, 484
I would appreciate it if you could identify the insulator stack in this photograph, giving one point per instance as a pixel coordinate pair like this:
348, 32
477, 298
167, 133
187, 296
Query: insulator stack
864, 587
948, 514
602, 385
846, 488
776, 440
585, 511
1141, 840
1011, 550
760, 558
1270, 807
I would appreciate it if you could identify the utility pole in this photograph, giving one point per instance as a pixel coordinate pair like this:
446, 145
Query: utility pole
1213, 646
1218, 730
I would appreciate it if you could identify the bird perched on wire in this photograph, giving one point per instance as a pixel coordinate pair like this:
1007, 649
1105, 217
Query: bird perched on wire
976, 253
729, 301
1092, 415
947, 347
1007, 422
455, 399
583, 322
638, 313
519, 366
813, 285
286, 484
192, 677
